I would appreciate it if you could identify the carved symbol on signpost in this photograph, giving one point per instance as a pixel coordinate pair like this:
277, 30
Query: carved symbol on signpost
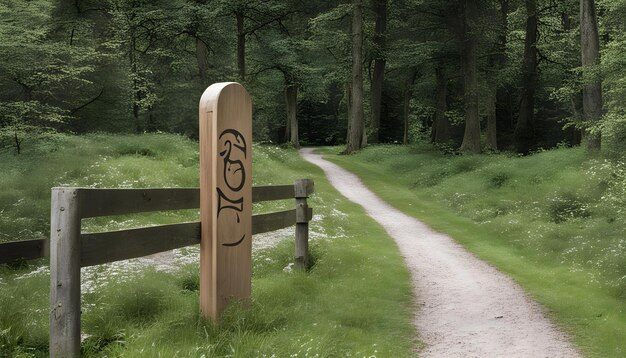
233, 149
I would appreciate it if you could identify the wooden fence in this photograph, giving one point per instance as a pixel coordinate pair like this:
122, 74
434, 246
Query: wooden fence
69, 249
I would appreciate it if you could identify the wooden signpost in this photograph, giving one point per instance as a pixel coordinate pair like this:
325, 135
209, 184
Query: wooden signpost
225, 197
224, 231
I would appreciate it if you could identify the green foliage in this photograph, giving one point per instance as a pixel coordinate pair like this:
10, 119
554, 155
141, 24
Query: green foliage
565, 206
356, 300
140, 66
23, 329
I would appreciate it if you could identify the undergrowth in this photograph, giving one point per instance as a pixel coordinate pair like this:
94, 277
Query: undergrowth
355, 301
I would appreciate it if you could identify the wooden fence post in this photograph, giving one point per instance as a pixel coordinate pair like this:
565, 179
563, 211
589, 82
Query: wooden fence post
65, 273
302, 189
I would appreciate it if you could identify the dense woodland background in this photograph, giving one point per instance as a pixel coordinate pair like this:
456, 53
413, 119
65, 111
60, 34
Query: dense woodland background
473, 75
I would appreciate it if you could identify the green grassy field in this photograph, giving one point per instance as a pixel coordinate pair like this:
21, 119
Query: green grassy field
555, 221
355, 301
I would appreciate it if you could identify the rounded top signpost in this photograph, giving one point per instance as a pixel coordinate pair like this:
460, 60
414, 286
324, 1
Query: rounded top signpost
225, 196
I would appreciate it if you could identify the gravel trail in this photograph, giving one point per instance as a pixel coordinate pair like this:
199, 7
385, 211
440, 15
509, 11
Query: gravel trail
465, 307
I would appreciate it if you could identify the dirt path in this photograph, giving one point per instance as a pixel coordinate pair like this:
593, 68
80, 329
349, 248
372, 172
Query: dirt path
466, 308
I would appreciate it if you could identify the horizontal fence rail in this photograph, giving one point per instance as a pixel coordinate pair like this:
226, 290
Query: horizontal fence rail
24, 250
99, 248
109, 202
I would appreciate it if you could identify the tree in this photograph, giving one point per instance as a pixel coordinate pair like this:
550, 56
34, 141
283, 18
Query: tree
378, 78
524, 129
355, 115
441, 125
139, 28
471, 138
250, 17
496, 64
613, 67
590, 54
45, 76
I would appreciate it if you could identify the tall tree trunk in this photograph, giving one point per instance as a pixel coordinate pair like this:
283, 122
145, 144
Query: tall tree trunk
408, 94
576, 99
355, 126
380, 6
498, 94
405, 112
348, 107
288, 124
491, 141
441, 125
136, 92
471, 138
291, 99
241, 45
202, 61
17, 143
504, 107
524, 135
590, 51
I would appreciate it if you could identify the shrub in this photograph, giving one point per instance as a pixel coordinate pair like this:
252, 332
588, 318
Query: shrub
566, 206
497, 180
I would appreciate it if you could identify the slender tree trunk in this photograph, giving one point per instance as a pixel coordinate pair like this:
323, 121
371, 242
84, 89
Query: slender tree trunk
379, 68
202, 61
291, 99
406, 104
355, 126
364, 138
441, 125
576, 98
491, 135
504, 108
408, 94
590, 54
498, 94
349, 108
524, 130
288, 124
136, 92
574, 133
241, 45
17, 143
471, 138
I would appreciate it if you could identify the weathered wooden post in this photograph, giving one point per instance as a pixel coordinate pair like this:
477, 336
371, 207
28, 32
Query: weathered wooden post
65, 273
302, 189
225, 196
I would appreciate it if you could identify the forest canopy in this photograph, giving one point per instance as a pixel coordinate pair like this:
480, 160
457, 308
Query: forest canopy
469, 75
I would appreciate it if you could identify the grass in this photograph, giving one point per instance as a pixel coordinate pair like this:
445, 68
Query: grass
554, 221
355, 301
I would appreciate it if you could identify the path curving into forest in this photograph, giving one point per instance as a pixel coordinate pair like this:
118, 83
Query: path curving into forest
465, 307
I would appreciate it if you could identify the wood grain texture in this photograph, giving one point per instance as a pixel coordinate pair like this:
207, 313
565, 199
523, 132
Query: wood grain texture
273, 221
303, 187
226, 196
99, 248
65, 273
103, 247
106, 202
24, 250
273, 192
301, 248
